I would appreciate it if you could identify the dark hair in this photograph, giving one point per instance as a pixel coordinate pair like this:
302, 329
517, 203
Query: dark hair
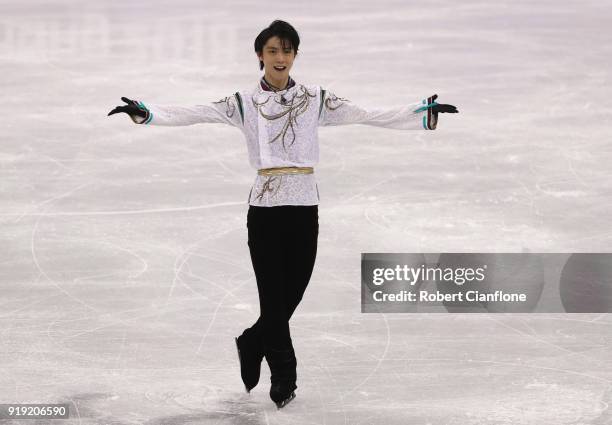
288, 35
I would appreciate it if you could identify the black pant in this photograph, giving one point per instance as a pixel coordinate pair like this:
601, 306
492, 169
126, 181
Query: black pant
283, 246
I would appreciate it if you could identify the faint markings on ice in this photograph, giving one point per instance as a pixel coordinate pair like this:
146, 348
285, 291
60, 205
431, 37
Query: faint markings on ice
53, 282
378, 363
183, 258
125, 212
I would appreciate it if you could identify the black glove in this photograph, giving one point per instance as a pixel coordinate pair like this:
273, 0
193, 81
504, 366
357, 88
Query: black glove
441, 107
133, 109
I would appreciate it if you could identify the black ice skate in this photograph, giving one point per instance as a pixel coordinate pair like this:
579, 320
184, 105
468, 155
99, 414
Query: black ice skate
250, 355
283, 375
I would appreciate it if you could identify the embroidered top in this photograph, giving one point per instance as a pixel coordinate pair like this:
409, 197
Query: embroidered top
281, 130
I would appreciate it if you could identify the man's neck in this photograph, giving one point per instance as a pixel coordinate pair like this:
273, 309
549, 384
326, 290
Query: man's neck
276, 84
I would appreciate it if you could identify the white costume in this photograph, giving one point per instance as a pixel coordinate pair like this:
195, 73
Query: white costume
281, 130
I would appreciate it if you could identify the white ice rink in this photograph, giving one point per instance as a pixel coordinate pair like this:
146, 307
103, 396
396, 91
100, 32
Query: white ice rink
124, 266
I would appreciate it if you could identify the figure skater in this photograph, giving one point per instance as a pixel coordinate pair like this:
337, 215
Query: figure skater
279, 119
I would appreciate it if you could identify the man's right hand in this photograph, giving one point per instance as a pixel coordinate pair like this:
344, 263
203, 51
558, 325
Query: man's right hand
132, 109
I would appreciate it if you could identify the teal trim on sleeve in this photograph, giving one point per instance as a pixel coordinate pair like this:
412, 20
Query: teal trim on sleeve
423, 108
239, 101
149, 114
321, 103
419, 109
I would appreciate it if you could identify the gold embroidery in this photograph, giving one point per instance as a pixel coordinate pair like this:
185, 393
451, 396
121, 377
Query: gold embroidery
333, 98
294, 108
230, 108
267, 188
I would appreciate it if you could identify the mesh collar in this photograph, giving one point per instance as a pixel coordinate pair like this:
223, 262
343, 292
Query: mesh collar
267, 86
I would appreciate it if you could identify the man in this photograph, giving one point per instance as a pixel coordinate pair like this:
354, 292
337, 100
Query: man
279, 119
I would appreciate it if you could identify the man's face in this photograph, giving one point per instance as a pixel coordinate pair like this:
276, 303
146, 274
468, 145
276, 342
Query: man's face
274, 54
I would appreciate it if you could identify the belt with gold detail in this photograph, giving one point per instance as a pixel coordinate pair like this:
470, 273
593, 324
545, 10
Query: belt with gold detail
284, 170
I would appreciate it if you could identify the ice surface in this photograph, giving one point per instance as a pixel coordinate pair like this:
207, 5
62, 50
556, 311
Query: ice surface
124, 267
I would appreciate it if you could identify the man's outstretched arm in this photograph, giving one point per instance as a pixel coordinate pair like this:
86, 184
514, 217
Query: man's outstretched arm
421, 115
225, 111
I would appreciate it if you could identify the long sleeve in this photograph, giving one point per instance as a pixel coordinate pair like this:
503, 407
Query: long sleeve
228, 110
339, 111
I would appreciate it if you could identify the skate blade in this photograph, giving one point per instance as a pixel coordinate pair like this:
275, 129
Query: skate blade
240, 363
286, 401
